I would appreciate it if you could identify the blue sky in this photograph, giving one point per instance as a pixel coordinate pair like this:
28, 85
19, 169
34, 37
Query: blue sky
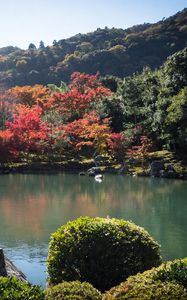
25, 21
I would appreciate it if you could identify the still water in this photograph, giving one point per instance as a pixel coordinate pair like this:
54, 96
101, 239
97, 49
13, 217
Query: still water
34, 206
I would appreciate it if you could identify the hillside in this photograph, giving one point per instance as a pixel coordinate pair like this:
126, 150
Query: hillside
110, 51
140, 121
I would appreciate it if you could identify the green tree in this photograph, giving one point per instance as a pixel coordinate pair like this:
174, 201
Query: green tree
176, 121
174, 72
41, 45
32, 46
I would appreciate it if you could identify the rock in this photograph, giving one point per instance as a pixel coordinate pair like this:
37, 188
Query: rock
123, 170
110, 170
6, 171
184, 175
7, 268
156, 167
133, 161
82, 173
142, 174
99, 160
94, 171
163, 174
12, 270
170, 169
169, 172
2, 264
13, 170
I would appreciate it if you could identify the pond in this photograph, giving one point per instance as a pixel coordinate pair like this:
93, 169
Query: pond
34, 206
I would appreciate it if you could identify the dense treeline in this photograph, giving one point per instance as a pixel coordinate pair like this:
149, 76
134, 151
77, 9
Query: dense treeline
153, 101
138, 114
113, 51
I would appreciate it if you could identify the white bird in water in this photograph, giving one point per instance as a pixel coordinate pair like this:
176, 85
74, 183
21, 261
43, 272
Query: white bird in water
99, 177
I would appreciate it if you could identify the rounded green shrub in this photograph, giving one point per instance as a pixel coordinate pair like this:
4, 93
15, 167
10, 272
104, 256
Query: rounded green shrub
13, 289
103, 252
169, 281
172, 271
73, 290
148, 291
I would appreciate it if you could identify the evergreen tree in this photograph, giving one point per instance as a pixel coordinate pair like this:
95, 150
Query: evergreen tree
32, 46
41, 45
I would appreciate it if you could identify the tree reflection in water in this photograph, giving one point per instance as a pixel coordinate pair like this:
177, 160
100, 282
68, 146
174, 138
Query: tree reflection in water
33, 206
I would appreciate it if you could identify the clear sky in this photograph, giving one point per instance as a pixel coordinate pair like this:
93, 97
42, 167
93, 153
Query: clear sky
26, 21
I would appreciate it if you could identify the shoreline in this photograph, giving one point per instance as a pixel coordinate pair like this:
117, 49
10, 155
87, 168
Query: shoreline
79, 168
8, 269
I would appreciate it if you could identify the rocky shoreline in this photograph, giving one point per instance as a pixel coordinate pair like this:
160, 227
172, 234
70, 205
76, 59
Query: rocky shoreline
156, 169
7, 268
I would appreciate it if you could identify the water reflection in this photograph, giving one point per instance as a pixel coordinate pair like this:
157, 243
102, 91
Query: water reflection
33, 206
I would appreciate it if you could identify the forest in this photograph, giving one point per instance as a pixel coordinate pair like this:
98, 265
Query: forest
116, 52
122, 119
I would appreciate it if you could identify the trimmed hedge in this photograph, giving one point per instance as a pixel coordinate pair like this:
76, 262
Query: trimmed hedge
73, 290
13, 289
101, 251
173, 271
169, 281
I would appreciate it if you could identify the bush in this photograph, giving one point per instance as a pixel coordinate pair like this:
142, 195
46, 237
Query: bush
73, 290
101, 251
173, 271
169, 281
13, 289
148, 291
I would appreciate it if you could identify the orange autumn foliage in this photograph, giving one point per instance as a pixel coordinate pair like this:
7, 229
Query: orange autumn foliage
30, 95
89, 131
